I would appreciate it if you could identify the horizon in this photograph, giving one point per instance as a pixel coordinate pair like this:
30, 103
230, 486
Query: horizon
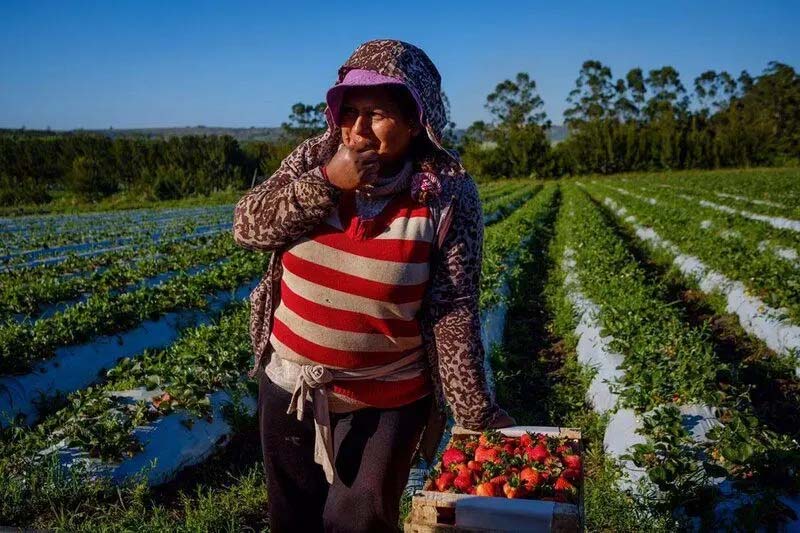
144, 65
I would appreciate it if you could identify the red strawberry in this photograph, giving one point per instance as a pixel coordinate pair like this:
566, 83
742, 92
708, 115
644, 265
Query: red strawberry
571, 474
530, 477
513, 489
563, 449
483, 454
526, 440
470, 447
508, 448
500, 480
451, 456
538, 453
572, 461
445, 481
486, 489
564, 489
463, 483
475, 466
460, 469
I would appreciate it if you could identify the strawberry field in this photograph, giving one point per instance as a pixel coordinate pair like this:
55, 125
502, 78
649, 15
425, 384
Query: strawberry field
658, 314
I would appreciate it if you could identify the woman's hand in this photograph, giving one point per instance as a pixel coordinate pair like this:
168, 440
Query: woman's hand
352, 167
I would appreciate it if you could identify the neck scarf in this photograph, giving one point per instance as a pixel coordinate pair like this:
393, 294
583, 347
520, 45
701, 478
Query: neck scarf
371, 199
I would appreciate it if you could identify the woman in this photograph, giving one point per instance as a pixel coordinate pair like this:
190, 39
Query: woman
367, 318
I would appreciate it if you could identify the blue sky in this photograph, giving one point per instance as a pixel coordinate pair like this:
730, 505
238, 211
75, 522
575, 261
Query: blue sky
69, 64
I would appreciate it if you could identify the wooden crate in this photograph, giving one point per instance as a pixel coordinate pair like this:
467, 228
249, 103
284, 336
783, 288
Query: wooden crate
435, 512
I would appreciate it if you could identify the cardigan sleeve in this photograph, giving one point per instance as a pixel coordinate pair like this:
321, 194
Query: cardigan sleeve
456, 317
285, 206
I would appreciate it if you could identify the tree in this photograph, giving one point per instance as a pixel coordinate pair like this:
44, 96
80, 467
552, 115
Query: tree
668, 93
593, 94
305, 121
714, 90
516, 103
88, 181
519, 128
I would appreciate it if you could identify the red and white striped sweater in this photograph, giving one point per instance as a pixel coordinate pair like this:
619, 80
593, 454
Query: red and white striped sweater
351, 291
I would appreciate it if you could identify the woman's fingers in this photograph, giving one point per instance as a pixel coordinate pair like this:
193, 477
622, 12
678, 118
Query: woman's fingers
361, 145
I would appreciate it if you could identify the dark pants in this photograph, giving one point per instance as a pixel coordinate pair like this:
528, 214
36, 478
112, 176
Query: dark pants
373, 450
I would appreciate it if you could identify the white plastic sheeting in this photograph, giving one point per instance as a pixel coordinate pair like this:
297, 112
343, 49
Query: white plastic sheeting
755, 316
171, 443
789, 255
775, 222
594, 350
750, 200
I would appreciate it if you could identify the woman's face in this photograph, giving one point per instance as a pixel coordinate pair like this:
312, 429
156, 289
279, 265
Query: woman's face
373, 116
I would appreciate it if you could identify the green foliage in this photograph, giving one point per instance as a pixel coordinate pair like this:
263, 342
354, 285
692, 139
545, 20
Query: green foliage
92, 166
89, 180
642, 123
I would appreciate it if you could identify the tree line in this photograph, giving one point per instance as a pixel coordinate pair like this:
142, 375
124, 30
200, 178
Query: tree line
642, 121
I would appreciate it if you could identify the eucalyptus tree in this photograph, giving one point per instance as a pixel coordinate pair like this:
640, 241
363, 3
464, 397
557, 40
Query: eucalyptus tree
519, 126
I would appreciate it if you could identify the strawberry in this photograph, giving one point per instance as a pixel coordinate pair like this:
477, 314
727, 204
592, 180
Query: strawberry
538, 453
564, 489
451, 456
500, 480
525, 440
460, 469
513, 489
463, 483
445, 481
572, 461
484, 454
490, 438
486, 489
530, 477
508, 448
475, 466
571, 474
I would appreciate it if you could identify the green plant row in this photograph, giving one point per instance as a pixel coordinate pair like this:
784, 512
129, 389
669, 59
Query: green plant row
730, 245
665, 359
777, 185
503, 242
732, 200
22, 344
728, 225
203, 360
495, 189
501, 207
668, 363
31, 290
84, 231
75, 264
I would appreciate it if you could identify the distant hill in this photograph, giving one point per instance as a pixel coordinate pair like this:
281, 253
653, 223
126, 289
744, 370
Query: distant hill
556, 134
